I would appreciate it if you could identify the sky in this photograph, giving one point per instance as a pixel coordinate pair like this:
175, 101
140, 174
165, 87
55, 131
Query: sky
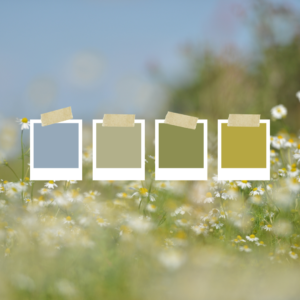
93, 55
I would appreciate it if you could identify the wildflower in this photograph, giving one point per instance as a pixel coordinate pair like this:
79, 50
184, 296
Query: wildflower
68, 220
279, 112
91, 194
143, 193
293, 171
87, 154
290, 143
200, 229
257, 191
216, 224
243, 184
297, 155
51, 184
102, 222
267, 227
12, 191
282, 172
295, 246
24, 123
123, 195
245, 249
182, 210
252, 238
151, 207
293, 184
278, 142
261, 243
72, 181
209, 198
182, 222
163, 185
44, 191
269, 187
293, 255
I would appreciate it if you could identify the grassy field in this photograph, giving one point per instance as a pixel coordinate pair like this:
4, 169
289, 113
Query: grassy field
152, 240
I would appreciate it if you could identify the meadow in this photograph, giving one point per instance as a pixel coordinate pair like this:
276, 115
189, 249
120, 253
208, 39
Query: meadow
153, 240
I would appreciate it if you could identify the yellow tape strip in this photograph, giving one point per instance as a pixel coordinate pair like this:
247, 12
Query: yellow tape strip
181, 120
243, 120
118, 120
56, 116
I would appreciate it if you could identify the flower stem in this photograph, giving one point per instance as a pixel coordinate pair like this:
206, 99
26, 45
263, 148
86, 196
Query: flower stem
22, 155
6, 163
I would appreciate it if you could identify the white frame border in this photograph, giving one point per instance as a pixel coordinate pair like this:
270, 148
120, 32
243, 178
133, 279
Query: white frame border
55, 173
119, 173
244, 173
180, 173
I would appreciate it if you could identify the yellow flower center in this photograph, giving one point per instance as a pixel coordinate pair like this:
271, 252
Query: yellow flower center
239, 237
14, 189
100, 220
51, 181
163, 185
261, 242
255, 189
125, 229
252, 236
293, 253
27, 179
183, 220
244, 181
269, 226
124, 195
5, 182
22, 183
68, 218
208, 195
143, 191
291, 141
2, 188
293, 170
24, 120
7, 251
280, 137
246, 247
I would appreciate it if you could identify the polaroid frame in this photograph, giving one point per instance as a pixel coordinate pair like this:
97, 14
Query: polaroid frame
55, 173
180, 173
244, 173
119, 173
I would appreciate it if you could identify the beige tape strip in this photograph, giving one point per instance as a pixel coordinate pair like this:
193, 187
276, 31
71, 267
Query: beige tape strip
243, 120
181, 120
118, 120
56, 116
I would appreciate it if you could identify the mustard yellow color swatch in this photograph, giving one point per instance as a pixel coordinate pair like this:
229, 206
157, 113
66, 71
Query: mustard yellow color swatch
243, 147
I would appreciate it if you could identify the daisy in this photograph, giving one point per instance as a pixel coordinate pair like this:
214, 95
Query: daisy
267, 227
50, 184
182, 222
72, 181
216, 224
293, 184
182, 210
252, 238
12, 191
87, 155
91, 194
239, 239
123, 195
293, 255
209, 198
68, 220
102, 222
279, 112
269, 187
278, 142
257, 191
245, 249
295, 246
282, 172
151, 207
243, 184
44, 191
163, 185
200, 229
143, 193
24, 123
261, 243
290, 143
125, 230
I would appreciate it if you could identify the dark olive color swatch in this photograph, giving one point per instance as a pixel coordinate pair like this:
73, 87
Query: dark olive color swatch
181, 147
244, 147
118, 147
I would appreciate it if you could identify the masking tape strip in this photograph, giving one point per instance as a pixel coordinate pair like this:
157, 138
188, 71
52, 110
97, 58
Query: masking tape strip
56, 116
118, 120
181, 120
243, 120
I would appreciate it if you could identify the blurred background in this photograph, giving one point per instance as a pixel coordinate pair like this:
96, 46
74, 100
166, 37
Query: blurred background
202, 58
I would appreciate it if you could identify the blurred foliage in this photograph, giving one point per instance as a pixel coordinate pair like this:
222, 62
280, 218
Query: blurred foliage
219, 84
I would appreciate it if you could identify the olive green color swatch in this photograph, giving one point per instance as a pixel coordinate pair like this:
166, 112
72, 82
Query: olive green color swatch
181, 147
243, 147
118, 147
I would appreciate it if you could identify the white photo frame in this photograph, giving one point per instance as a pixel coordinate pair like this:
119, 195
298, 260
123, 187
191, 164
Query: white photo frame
244, 173
56, 173
119, 173
180, 173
